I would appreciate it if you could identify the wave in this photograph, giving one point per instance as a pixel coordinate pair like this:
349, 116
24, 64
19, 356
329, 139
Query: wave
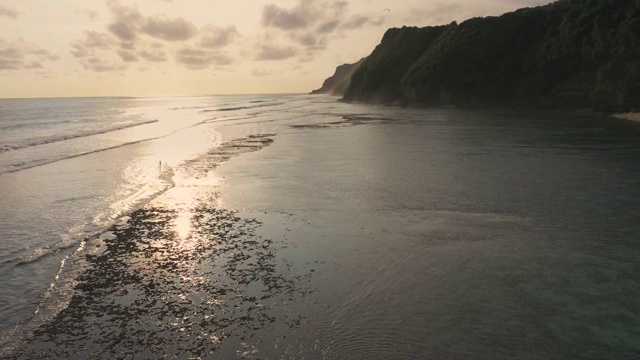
79, 233
142, 195
62, 137
35, 163
86, 239
21, 125
77, 198
67, 242
190, 107
259, 105
54, 299
31, 164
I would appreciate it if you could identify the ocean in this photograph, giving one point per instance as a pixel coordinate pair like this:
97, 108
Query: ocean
296, 226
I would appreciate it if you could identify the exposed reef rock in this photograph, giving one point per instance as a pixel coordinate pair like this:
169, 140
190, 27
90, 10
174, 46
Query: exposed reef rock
339, 81
571, 53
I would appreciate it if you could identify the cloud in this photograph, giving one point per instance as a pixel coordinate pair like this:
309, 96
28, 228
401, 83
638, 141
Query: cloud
123, 30
9, 10
128, 45
306, 28
176, 29
132, 36
127, 21
91, 15
10, 64
102, 65
263, 72
22, 55
91, 41
268, 52
127, 56
439, 12
216, 37
275, 16
202, 58
305, 14
310, 41
328, 26
221, 59
195, 58
154, 55
358, 21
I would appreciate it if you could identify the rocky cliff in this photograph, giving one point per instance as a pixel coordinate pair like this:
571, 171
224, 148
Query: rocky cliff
339, 81
571, 53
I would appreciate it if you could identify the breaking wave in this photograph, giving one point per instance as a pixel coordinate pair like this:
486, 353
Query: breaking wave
73, 135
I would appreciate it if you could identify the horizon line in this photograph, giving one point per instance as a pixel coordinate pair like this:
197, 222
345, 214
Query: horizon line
146, 96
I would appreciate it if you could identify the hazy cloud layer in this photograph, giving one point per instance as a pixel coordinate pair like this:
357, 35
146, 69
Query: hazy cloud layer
529, 3
20, 55
307, 14
443, 12
154, 55
127, 56
328, 27
201, 58
90, 42
133, 37
263, 72
216, 37
129, 23
359, 21
268, 52
102, 65
275, 16
438, 13
9, 10
306, 28
177, 29
91, 15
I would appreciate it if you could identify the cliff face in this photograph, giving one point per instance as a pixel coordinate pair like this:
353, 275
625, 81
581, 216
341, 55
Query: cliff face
379, 77
578, 53
339, 81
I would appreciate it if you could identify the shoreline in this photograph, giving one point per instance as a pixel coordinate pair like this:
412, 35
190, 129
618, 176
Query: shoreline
182, 276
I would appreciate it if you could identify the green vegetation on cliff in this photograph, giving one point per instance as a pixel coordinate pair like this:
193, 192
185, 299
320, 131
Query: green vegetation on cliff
378, 78
578, 53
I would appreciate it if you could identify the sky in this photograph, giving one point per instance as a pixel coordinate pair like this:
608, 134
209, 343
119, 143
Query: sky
60, 48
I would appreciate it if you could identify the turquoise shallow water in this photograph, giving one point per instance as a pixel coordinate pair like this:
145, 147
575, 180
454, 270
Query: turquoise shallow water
353, 232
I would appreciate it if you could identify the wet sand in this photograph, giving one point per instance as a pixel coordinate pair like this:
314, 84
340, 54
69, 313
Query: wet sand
176, 280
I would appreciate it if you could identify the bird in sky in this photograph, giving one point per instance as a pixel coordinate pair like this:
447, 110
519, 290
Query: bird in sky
387, 10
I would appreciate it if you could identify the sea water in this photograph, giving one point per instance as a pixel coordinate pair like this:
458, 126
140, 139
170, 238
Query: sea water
421, 233
70, 167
